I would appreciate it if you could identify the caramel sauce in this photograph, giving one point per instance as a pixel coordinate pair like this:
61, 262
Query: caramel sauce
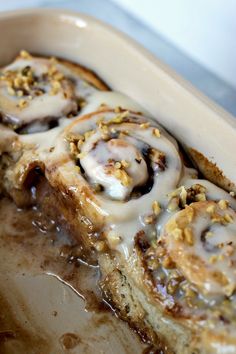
34, 247
15, 337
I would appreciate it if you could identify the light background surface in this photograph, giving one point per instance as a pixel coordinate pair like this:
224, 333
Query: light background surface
203, 29
148, 22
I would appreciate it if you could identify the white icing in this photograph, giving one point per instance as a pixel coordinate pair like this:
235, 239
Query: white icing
96, 165
120, 214
221, 244
45, 106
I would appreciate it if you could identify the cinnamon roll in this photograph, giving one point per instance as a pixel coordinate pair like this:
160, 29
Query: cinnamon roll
36, 92
117, 167
201, 242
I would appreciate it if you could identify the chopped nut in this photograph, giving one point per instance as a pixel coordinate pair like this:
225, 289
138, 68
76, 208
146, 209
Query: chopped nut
180, 192
74, 137
18, 82
26, 71
201, 197
73, 148
149, 219
58, 76
229, 289
52, 70
158, 158
56, 86
117, 165
223, 204
220, 245
25, 55
217, 218
23, 104
123, 176
145, 125
228, 218
188, 236
178, 234
125, 163
103, 129
100, 246
38, 92
199, 188
156, 207
183, 195
117, 109
156, 132
118, 119
80, 143
196, 192
211, 209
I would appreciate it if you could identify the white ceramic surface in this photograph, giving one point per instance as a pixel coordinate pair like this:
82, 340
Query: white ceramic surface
126, 67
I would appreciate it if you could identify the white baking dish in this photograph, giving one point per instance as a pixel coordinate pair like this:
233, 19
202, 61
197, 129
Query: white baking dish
125, 66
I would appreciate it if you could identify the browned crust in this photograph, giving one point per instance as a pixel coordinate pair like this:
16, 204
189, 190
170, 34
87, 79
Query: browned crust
119, 285
68, 212
210, 170
118, 292
86, 74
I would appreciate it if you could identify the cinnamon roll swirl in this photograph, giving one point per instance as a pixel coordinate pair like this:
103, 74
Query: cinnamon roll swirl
117, 166
36, 92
